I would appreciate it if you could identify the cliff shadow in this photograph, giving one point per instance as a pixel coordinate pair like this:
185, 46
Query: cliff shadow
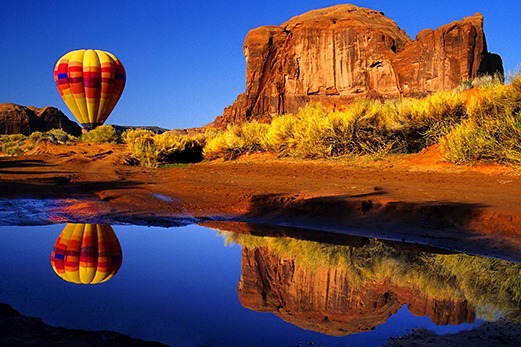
24, 167
444, 224
48, 181
58, 187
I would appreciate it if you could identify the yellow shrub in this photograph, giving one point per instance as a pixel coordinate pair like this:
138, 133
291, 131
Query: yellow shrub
252, 135
227, 144
174, 148
141, 143
493, 129
468, 142
407, 125
280, 135
101, 134
313, 133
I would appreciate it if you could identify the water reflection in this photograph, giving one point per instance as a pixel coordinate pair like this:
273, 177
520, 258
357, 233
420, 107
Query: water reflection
86, 253
347, 285
335, 284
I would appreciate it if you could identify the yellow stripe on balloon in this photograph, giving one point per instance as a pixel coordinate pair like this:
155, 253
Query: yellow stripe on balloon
106, 63
72, 259
103, 257
65, 90
86, 254
89, 247
78, 91
91, 64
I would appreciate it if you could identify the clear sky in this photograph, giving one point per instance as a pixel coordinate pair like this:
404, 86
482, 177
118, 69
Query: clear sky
184, 59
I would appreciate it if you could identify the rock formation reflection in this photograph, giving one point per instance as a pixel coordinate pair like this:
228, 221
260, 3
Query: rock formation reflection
86, 253
347, 285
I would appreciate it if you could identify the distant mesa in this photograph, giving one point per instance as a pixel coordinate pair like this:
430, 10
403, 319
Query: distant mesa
155, 129
17, 119
340, 53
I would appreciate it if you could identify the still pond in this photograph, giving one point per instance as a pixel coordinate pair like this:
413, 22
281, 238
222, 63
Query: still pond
242, 285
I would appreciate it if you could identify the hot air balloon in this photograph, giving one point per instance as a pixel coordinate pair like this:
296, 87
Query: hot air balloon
86, 253
90, 83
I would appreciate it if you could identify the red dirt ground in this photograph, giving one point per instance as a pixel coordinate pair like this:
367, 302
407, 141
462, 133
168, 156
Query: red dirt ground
413, 198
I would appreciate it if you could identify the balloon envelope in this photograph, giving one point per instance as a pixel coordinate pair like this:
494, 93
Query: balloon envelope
86, 253
90, 83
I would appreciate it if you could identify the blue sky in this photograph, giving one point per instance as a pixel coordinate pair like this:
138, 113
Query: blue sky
184, 59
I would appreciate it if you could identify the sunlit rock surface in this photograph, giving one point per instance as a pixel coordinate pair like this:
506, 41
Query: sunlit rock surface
340, 53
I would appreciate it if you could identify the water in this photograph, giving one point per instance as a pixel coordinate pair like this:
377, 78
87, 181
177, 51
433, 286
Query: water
188, 286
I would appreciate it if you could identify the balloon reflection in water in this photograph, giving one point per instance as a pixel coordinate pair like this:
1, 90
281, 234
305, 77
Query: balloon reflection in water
86, 253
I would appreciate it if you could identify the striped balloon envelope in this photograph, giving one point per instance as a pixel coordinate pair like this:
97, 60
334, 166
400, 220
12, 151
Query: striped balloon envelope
90, 83
86, 253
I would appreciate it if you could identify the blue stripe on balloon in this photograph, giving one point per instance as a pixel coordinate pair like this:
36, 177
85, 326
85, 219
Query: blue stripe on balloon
62, 75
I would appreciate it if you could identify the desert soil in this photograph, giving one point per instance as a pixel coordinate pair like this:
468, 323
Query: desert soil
415, 198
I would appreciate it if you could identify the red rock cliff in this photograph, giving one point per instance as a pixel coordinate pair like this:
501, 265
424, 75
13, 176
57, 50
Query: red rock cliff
17, 119
336, 54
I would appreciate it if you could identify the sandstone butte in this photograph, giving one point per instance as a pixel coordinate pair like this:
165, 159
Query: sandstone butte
17, 119
340, 53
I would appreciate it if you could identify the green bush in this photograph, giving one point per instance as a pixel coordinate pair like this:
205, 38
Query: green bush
57, 136
36, 137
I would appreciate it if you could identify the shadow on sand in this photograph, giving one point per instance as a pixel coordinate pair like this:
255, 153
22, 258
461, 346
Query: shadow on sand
443, 224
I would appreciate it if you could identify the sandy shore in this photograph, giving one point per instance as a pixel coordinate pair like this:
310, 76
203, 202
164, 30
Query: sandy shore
415, 198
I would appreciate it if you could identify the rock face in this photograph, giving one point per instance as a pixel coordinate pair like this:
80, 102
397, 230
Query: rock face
336, 54
16, 119
326, 301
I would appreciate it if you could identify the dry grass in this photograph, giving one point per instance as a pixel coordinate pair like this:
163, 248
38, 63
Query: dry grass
152, 150
480, 126
101, 134
492, 130
18, 144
